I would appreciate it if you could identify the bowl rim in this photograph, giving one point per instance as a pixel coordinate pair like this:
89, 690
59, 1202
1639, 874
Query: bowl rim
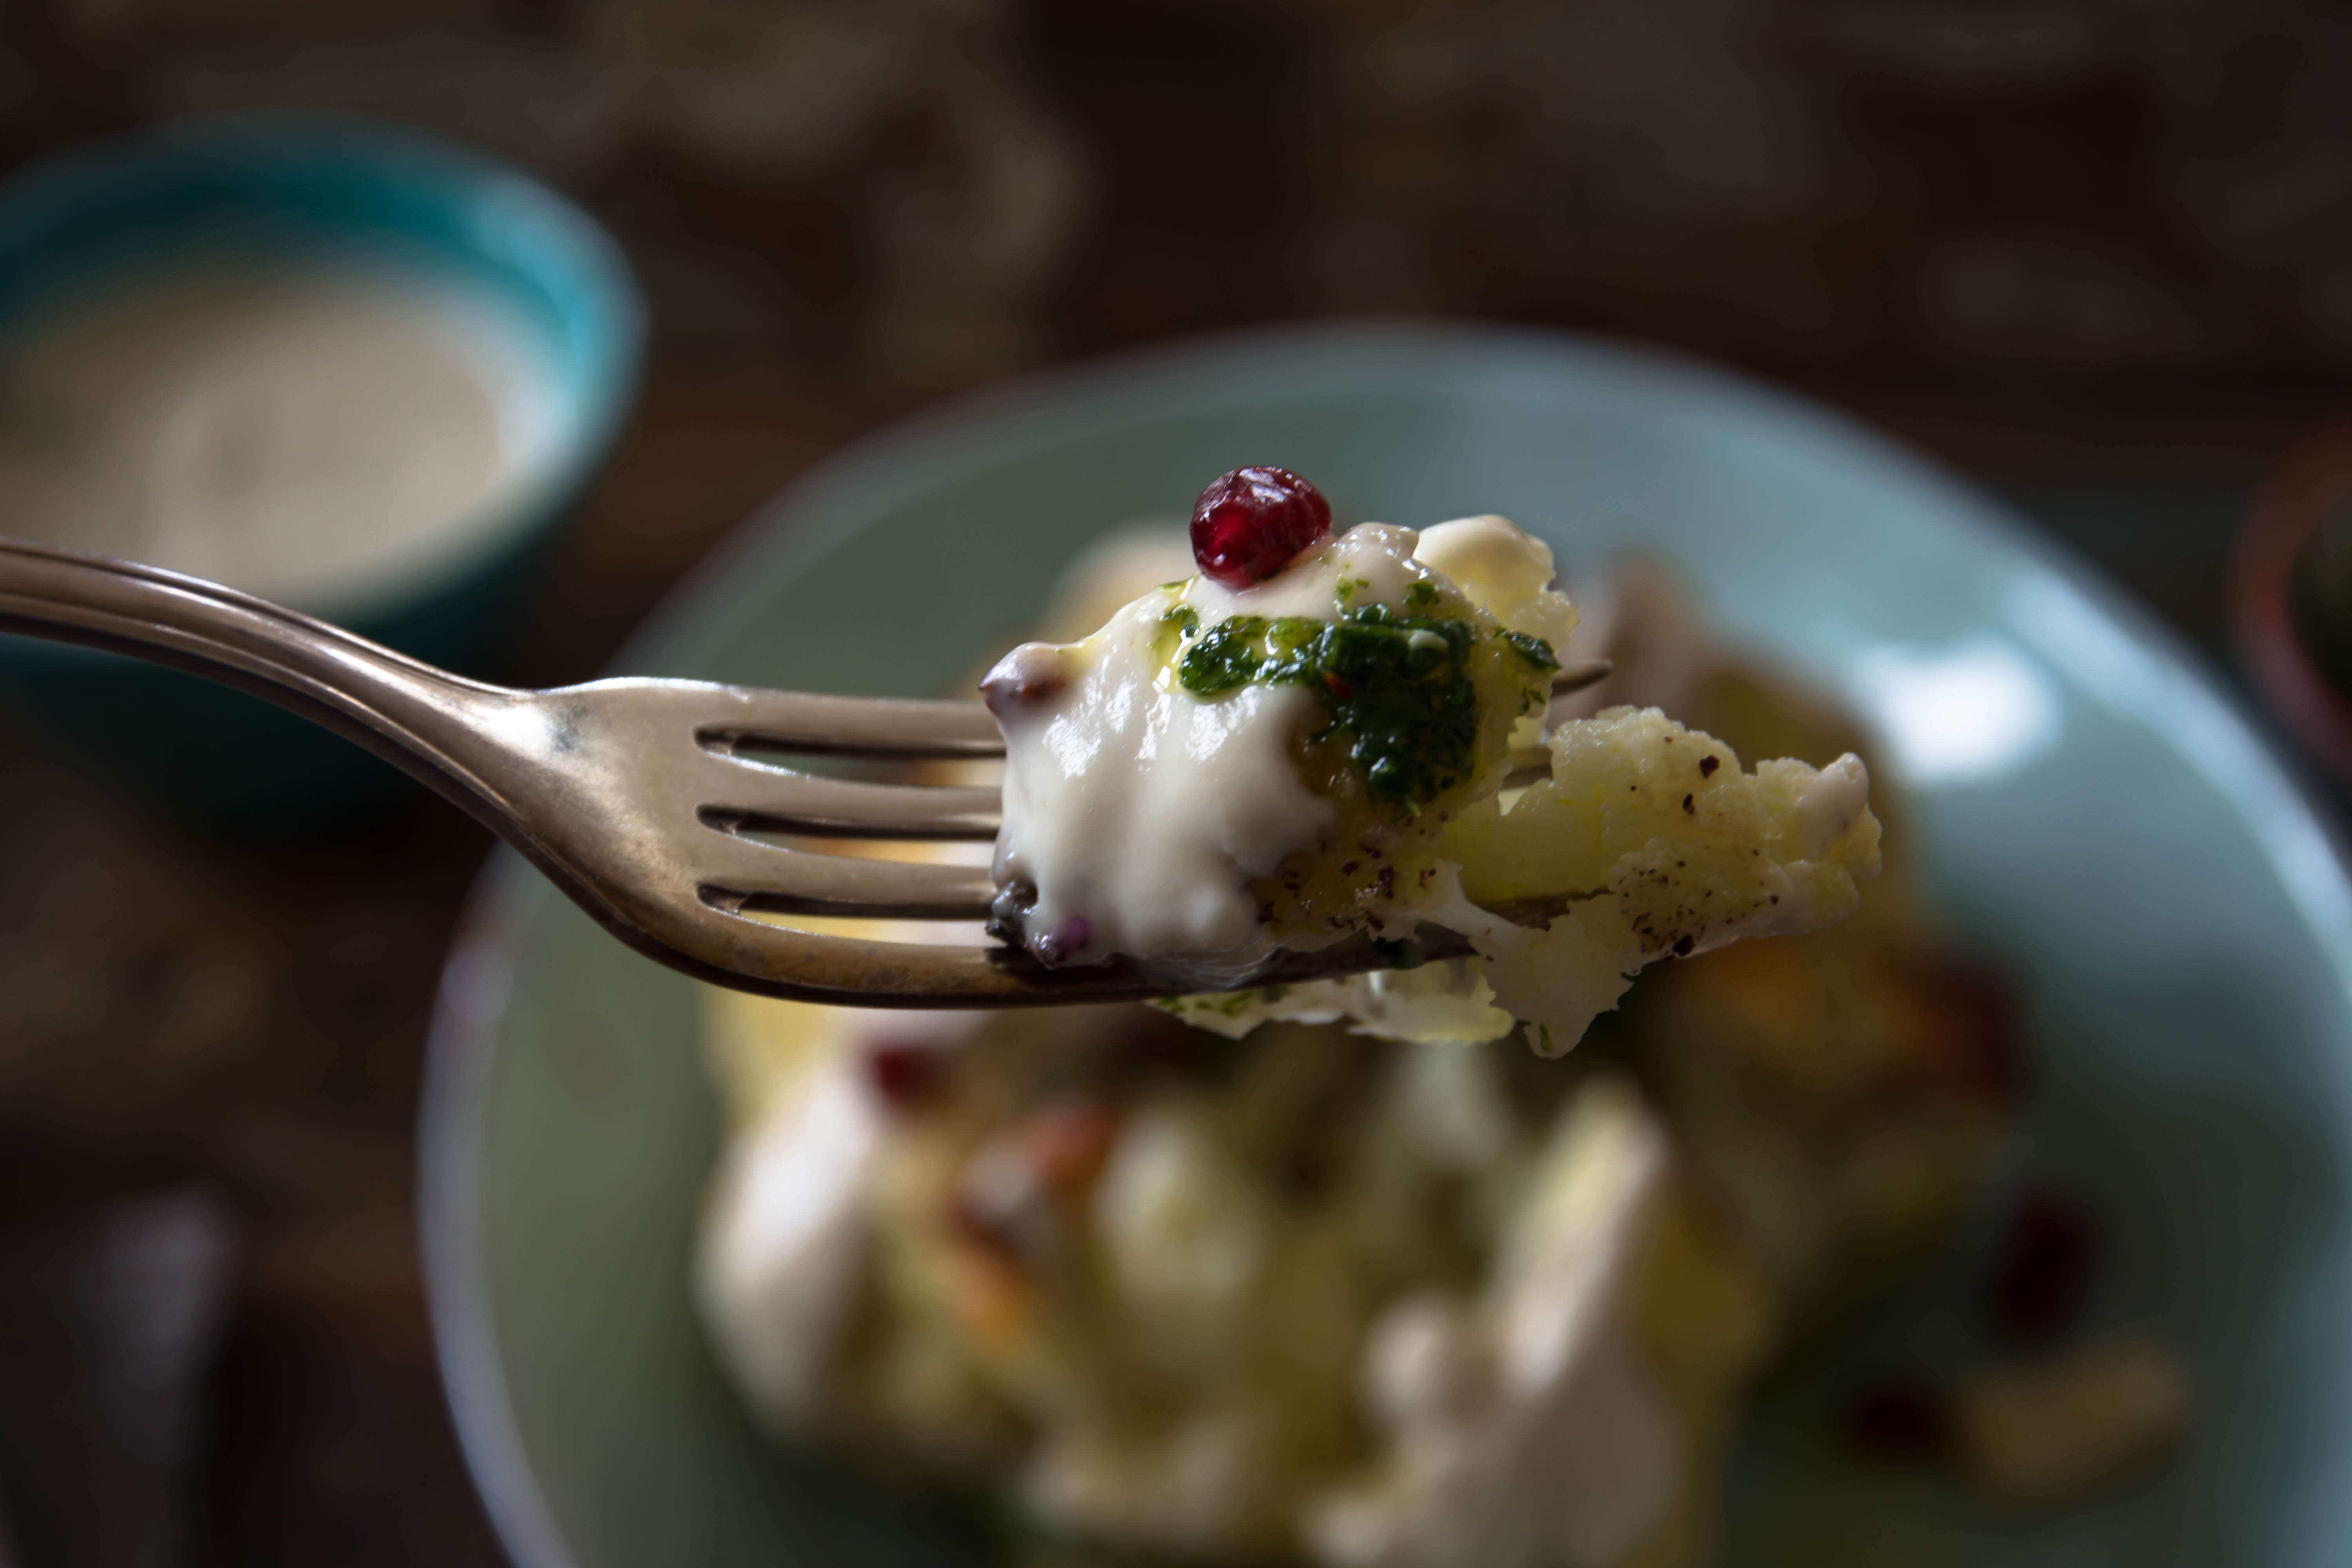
2297, 838
607, 303
468, 1005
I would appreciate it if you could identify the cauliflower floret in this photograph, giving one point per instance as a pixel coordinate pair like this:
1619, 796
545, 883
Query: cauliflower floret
1439, 1002
1664, 847
1538, 1422
1696, 850
1674, 849
1505, 570
2040, 1434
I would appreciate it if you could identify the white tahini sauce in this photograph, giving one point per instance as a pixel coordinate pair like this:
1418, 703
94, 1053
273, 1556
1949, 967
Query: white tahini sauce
1140, 813
1831, 803
306, 431
1522, 1426
785, 1241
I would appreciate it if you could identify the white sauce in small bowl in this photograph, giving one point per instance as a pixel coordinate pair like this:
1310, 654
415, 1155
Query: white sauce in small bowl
314, 430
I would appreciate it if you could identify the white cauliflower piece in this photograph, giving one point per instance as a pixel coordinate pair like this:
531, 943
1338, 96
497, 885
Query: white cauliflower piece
1664, 846
2037, 1435
1522, 1428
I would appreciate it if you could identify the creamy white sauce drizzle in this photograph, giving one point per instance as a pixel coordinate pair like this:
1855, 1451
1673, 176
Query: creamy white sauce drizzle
1830, 803
786, 1244
1140, 813
1377, 556
307, 431
1524, 1430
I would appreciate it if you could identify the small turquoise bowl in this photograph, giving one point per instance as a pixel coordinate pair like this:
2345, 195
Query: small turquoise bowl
280, 188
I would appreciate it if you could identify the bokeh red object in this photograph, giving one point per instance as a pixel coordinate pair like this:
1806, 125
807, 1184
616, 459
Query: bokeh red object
2297, 497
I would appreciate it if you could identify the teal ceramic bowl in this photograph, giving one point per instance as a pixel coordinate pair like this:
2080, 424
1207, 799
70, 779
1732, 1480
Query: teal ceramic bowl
275, 188
2093, 815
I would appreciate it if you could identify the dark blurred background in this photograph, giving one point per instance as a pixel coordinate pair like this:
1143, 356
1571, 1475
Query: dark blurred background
2094, 254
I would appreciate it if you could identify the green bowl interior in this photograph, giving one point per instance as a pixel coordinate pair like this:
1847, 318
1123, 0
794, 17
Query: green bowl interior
2175, 917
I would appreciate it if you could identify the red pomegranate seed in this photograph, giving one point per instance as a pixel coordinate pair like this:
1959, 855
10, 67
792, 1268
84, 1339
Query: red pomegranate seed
1012, 1190
2043, 1269
1251, 523
1901, 1418
1151, 1043
905, 1074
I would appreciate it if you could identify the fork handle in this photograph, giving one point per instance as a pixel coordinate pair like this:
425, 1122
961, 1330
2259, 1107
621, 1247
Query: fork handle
425, 721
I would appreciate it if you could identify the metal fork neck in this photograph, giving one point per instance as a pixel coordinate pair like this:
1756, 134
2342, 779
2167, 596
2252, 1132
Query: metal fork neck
404, 711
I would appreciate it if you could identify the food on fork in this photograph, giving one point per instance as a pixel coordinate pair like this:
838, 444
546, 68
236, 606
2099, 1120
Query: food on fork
1310, 739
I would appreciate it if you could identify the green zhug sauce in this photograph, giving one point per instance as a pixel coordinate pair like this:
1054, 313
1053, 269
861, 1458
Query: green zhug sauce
1395, 687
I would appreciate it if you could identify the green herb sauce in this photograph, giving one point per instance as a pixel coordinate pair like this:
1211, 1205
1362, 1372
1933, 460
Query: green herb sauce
1533, 650
1396, 688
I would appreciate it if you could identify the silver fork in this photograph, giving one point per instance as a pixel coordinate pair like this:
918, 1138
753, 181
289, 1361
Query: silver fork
634, 796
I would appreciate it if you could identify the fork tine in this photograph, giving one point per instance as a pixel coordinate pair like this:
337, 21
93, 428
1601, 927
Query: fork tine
741, 793
827, 726
864, 971
1571, 677
735, 873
